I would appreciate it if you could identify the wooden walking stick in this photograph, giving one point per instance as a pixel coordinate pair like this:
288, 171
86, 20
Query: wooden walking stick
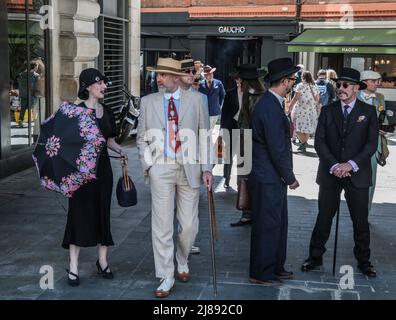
213, 238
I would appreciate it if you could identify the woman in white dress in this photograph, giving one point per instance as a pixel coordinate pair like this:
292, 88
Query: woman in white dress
304, 109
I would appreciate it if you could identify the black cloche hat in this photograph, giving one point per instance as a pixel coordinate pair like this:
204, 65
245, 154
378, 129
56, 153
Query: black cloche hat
87, 77
280, 68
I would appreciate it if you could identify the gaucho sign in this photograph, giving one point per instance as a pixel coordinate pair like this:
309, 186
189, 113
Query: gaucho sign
232, 29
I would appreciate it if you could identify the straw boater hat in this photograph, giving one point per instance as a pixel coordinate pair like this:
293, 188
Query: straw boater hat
167, 65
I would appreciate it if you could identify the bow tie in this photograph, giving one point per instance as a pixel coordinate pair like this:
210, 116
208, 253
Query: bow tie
369, 96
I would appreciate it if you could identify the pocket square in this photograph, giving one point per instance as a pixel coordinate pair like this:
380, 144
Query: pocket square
361, 119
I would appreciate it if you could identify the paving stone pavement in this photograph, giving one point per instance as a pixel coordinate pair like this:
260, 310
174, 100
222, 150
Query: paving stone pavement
33, 221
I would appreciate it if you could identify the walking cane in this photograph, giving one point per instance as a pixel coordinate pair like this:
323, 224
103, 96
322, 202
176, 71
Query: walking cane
213, 237
336, 239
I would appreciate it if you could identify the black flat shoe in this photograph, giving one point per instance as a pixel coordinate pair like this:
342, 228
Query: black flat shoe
368, 270
269, 282
284, 275
72, 282
311, 264
240, 223
104, 273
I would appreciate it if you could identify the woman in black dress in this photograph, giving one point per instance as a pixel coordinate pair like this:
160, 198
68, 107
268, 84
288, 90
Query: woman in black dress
88, 220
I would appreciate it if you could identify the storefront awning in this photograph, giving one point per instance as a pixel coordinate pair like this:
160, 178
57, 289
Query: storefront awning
345, 41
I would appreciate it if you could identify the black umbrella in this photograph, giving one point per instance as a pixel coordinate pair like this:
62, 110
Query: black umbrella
68, 148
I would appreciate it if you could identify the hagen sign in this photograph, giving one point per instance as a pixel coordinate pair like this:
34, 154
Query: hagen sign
232, 29
350, 50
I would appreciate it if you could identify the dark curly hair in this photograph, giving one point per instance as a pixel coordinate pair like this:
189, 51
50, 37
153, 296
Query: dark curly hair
84, 95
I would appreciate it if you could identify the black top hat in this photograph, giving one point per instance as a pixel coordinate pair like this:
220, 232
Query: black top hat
248, 72
352, 75
280, 68
187, 64
87, 77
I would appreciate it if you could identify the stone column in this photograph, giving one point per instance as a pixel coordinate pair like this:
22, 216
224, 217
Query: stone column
77, 45
134, 47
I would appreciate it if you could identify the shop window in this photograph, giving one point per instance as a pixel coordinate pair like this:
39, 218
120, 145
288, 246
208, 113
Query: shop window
386, 66
27, 70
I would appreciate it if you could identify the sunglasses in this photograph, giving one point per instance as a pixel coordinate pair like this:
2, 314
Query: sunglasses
292, 79
344, 84
188, 72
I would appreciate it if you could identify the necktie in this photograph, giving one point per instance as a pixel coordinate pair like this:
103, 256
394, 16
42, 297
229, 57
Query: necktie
346, 114
209, 84
173, 125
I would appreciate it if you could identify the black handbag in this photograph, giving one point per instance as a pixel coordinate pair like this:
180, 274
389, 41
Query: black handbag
126, 191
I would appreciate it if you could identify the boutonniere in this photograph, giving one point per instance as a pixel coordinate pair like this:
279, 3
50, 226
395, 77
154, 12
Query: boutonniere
361, 118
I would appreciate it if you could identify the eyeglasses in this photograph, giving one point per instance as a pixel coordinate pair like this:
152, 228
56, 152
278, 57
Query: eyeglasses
344, 84
292, 79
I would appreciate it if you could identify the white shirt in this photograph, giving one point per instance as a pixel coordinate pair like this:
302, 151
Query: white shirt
351, 106
280, 98
368, 97
240, 95
174, 95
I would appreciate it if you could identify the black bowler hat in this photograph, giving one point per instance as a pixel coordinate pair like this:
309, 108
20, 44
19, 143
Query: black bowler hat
280, 68
87, 77
352, 75
248, 72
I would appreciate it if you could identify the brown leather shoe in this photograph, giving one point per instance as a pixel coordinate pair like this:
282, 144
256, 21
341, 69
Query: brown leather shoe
183, 276
269, 282
165, 288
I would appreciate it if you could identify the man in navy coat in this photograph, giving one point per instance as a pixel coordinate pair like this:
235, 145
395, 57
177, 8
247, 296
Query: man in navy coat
214, 90
271, 173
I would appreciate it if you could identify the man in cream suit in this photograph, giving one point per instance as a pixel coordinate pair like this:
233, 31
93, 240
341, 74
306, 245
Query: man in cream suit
174, 153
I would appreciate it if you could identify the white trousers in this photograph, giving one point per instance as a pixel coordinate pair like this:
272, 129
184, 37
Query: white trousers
168, 181
213, 121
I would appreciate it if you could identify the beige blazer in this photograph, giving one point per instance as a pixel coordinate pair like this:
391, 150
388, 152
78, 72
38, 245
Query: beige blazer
193, 116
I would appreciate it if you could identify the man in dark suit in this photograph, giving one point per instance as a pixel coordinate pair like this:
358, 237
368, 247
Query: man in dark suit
229, 121
271, 173
346, 138
215, 92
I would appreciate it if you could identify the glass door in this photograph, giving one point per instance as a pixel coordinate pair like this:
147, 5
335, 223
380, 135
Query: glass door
27, 70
